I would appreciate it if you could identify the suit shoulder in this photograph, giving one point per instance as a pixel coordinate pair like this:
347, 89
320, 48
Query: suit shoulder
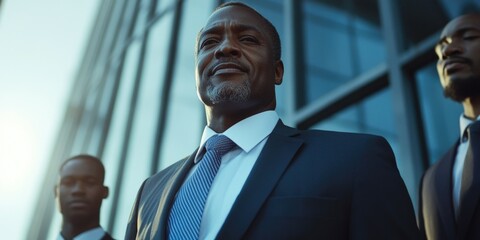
347, 146
343, 137
327, 135
446, 160
168, 171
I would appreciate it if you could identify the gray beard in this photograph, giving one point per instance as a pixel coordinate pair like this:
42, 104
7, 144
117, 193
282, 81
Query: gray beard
229, 93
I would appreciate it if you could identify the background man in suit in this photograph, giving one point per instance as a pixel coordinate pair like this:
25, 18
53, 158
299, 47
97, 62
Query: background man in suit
79, 194
449, 196
277, 182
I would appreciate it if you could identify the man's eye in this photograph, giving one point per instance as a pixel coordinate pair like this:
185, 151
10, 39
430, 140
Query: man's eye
208, 42
67, 182
90, 183
249, 39
470, 37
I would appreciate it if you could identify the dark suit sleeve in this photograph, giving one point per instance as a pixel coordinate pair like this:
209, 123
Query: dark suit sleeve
131, 232
420, 212
381, 206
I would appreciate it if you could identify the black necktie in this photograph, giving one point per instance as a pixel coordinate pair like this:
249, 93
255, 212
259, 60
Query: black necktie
471, 168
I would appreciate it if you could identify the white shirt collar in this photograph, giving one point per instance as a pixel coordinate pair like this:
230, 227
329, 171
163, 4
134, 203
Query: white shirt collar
246, 133
92, 234
464, 122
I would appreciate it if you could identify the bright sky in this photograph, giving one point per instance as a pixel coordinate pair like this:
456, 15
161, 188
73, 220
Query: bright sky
41, 45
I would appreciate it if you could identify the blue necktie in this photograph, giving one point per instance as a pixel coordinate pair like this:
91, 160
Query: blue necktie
186, 213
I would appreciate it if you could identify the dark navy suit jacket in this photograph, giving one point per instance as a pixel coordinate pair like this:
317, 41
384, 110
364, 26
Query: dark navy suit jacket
107, 237
305, 185
437, 218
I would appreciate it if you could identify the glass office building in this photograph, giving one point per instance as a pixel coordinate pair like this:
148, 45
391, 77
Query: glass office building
350, 65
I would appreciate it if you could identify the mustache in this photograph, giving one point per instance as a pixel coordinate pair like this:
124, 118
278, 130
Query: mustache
456, 59
453, 60
227, 61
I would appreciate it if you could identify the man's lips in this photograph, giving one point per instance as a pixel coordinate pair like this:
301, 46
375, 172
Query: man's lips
227, 67
452, 65
78, 204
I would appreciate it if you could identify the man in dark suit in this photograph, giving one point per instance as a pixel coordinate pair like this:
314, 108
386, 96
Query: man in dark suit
450, 190
79, 194
277, 182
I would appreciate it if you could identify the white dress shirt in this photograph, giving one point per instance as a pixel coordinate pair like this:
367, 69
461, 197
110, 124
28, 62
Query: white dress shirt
460, 161
92, 234
250, 135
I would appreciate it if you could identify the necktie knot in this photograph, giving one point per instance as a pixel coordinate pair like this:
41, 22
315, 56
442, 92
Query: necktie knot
220, 144
474, 127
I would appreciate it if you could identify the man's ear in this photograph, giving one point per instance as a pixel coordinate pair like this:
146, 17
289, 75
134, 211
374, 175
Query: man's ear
278, 72
105, 192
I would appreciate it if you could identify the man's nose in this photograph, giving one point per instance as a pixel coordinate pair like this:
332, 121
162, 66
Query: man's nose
78, 188
227, 48
451, 49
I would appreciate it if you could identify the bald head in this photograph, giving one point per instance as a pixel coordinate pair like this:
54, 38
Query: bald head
94, 161
272, 31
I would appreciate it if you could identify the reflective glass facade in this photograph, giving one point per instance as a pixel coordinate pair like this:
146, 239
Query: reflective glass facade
362, 66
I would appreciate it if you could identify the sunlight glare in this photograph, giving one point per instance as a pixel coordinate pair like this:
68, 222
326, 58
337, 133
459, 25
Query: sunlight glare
17, 151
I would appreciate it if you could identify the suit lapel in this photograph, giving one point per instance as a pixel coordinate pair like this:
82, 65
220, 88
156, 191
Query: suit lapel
274, 160
471, 198
443, 185
167, 196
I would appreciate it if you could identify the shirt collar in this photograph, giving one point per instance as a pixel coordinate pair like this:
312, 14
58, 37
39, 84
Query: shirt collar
95, 233
464, 122
246, 133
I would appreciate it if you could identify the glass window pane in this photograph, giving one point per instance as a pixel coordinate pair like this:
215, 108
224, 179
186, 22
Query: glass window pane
432, 15
97, 130
185, 117
114, 144
439, 114
141, 21
374, 115
342, 40
127, 21
142, 139
162, 5
88, 112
